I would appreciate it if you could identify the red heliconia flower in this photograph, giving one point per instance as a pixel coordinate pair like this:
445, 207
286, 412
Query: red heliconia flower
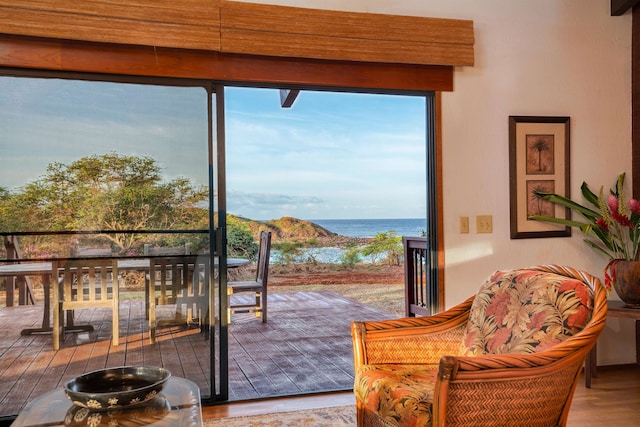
621, 219
612, 202
602, 224
634, 206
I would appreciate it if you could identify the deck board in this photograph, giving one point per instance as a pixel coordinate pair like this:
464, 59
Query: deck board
304, 348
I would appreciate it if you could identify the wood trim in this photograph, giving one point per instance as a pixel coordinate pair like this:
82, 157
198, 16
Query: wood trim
619, 7
300, 73
635, 103
440, 207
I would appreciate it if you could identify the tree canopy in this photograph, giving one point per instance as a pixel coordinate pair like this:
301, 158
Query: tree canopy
105, 192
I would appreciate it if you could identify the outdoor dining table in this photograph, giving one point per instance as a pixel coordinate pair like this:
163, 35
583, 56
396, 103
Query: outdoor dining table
43, 269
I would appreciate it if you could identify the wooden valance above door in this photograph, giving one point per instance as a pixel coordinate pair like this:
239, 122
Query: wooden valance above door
246, 28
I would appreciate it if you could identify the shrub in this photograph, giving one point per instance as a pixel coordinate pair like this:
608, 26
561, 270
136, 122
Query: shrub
289, 252
351, 256
240, 243
385, 244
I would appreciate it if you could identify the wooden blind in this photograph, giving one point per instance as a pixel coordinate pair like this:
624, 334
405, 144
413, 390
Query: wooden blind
189, 24
326, 34
246, 28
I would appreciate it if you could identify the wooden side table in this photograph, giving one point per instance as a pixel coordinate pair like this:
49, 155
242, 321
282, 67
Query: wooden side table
178, 405
615, 309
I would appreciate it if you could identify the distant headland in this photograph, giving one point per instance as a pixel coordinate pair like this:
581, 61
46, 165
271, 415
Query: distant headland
293, 229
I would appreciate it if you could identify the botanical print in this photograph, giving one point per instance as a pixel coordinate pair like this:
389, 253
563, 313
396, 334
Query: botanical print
537, 205
540, 155
526, 312
401, 394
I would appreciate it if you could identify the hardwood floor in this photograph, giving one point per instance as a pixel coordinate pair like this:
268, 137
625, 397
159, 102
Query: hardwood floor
612, 401
307, 332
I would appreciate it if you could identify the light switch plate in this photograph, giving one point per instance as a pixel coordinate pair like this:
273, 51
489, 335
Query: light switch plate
484, 224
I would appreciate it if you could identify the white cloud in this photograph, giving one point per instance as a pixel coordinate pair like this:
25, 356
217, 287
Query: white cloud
330, 156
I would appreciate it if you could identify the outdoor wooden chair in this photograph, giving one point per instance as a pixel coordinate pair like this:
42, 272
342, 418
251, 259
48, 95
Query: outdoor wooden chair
182, 281
257, 286
82, 284
509, 356
165, 251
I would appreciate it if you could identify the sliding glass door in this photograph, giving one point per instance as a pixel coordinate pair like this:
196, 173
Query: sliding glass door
124, 168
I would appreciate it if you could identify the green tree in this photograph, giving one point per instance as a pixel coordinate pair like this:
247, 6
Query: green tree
106, 192
386, 244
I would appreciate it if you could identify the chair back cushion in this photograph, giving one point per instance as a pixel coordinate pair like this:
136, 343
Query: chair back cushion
526, 311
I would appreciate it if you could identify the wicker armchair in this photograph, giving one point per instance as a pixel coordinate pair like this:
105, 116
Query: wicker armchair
509, 356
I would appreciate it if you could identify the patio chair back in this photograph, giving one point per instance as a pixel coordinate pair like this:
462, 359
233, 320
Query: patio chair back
181, 281
257, 286
86, 283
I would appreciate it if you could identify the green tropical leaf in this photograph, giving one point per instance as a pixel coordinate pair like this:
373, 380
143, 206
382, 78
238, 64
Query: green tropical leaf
556, 199
615, 234
589, 195
561, 221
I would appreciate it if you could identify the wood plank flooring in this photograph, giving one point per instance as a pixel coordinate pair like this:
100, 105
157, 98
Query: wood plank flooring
612, 401
304, 348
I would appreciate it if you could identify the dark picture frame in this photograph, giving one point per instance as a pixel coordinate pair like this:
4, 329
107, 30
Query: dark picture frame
538, 160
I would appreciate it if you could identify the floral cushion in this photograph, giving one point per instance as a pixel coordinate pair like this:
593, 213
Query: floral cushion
401, 394
524, 311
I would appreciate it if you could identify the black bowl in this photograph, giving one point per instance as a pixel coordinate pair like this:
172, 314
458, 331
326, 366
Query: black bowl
116, 387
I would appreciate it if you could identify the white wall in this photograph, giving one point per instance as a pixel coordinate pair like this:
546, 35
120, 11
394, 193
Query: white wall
537, 58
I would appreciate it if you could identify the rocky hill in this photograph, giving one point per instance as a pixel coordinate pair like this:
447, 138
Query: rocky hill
293, 229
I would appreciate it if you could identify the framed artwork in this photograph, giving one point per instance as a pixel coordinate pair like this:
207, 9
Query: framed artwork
538, 161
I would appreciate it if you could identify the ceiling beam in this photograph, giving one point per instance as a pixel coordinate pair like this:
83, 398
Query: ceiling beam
619, 7
288, 97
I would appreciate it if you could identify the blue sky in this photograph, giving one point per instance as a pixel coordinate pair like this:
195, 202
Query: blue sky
332, 155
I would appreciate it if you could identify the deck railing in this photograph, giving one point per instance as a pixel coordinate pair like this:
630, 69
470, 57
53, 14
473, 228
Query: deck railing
20, 282
416, 283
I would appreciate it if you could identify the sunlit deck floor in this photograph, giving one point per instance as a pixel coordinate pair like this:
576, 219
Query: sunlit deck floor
304, 347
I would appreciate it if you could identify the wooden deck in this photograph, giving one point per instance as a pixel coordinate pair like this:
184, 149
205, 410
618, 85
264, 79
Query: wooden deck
304, 348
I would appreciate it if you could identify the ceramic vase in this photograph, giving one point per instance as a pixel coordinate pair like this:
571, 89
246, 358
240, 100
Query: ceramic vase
627, 282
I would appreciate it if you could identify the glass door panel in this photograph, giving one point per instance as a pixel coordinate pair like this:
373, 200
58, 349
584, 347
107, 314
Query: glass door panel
117, 169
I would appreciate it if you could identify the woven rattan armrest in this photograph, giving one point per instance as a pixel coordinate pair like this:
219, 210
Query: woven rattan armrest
413, 340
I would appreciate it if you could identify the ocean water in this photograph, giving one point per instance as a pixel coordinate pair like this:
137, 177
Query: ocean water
355, 228
370, 227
